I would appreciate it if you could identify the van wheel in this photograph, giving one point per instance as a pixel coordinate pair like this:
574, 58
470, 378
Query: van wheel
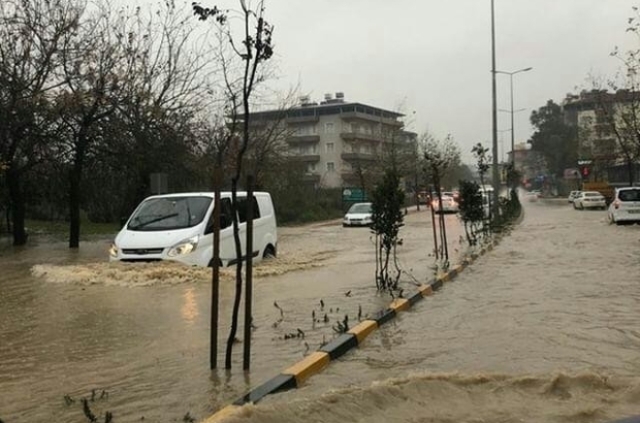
269, 252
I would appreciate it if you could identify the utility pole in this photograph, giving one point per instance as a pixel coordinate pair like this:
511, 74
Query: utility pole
494, 115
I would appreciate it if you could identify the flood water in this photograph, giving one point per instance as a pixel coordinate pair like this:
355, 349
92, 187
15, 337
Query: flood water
135, 338
545, 328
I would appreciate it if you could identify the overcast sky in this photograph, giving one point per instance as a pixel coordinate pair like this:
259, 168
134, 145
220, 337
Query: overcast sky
431, 59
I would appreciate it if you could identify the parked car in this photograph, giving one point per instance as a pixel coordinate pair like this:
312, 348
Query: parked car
179, 227
625, 206
589, 200
449, 205
359, 214
573, 195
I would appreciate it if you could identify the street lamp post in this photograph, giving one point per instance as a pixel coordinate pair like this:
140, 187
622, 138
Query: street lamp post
512, 112
494, 115
513, 155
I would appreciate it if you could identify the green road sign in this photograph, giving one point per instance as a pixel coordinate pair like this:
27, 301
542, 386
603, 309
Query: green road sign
353, 194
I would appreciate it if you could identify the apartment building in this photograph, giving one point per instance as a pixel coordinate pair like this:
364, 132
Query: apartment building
340, 142
606, 125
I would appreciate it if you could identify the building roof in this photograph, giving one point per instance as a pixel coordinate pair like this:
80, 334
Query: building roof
587, 100
330, 107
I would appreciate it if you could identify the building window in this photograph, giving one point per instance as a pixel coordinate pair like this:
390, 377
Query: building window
306, 130
329, 147
328, 127
330, 166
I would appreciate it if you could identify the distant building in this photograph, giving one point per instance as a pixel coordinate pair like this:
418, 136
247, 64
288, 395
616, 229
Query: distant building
595, 113
528, 162
340, 142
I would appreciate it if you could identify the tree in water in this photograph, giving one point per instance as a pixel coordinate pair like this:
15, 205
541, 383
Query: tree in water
387, 219
439, 158
471, 210
254, 49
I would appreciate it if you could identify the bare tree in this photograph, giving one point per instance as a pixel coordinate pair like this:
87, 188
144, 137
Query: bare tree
31, 34
166, 97
254, 49
98, 59
618, 118
439, 158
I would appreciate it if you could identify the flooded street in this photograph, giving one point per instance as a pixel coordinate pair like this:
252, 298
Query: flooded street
72, 323
544, 328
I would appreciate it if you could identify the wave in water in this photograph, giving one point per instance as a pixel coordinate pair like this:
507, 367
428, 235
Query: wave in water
452, 397
168, 273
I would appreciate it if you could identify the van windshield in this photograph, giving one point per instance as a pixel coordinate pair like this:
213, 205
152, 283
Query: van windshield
161, 214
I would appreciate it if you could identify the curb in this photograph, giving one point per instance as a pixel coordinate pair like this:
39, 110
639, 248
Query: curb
296, 375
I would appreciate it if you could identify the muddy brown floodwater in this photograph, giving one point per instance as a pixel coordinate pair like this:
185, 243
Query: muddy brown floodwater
73, 324
545, 328
542, 329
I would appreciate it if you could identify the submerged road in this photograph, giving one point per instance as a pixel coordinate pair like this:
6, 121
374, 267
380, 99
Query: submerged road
543, 328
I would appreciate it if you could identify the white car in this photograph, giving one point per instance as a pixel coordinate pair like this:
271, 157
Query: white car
625, 206
359, 214
573, 195
590, 200
449, 205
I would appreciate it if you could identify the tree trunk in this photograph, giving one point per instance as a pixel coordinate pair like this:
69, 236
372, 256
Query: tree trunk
75, 175
18, 208
248, 292
236, 301
215, 277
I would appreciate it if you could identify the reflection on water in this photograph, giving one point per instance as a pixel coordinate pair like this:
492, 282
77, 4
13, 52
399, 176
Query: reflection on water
190, 307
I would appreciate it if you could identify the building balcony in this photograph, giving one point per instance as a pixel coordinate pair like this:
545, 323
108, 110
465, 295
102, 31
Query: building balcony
306, 158
359, 136
353, 157
303, 139
348, 116
302, 119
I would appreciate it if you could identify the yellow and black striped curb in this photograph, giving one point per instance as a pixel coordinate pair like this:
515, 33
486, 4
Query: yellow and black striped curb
296, 375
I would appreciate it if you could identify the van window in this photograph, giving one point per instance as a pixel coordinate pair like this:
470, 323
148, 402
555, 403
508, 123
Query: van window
242, 209
225, 216
164, 213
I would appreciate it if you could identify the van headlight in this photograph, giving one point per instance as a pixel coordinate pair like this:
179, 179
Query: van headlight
113, 250
184, 247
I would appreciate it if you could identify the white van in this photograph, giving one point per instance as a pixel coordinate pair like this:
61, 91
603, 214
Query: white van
180, 227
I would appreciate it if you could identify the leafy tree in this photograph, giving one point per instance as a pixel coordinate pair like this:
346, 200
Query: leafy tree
554, 138
387, 201
483, 158
471, 210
